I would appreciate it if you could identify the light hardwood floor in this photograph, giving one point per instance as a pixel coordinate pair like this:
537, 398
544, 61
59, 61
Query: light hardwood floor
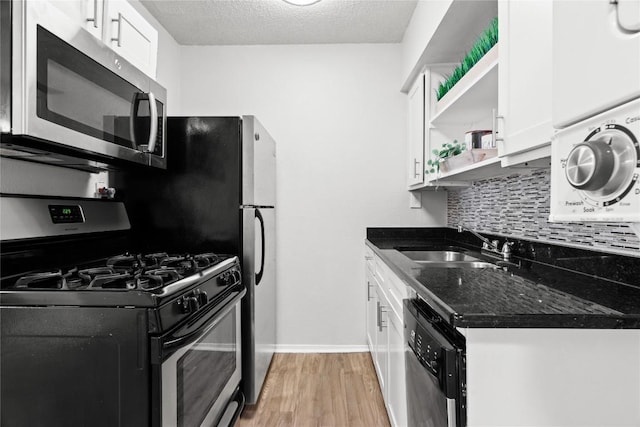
332, 390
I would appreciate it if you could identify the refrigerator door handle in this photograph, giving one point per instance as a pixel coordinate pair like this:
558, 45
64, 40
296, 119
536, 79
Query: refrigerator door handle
259, 273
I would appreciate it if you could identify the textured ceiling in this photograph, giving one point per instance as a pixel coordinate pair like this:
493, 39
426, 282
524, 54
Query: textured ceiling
247, 22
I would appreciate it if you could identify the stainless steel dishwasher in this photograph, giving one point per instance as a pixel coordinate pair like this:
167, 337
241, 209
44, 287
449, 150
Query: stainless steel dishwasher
435, 368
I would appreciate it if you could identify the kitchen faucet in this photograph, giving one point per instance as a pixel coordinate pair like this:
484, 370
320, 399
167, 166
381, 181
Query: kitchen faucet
491, 246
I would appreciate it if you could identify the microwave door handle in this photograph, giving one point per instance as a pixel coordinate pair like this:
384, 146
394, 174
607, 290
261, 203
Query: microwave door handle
132, 118
153, 132
153, 116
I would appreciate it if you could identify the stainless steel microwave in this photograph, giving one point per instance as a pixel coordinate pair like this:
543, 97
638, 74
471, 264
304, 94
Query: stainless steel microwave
70, 100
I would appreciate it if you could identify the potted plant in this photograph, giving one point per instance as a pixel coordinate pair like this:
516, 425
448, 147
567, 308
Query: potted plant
447, 150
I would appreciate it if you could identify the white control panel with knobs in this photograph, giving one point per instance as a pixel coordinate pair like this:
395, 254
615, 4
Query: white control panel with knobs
595, 168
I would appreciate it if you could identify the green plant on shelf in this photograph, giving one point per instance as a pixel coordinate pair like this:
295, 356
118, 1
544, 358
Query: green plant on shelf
485, 42
447, 150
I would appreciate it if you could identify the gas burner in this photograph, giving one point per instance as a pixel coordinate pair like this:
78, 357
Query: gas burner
123, 281
125, 263
42, 280
158, 277
154, 260
206, 259
184, 265
76, 278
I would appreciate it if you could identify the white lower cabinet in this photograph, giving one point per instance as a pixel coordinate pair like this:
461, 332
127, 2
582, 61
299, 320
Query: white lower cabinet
553, 377
381, 353
396, 395
371, 310
385, 335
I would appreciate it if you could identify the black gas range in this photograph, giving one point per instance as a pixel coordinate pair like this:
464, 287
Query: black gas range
139, 338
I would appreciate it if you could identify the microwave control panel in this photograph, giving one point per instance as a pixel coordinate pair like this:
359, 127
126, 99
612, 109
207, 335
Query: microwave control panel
595, 168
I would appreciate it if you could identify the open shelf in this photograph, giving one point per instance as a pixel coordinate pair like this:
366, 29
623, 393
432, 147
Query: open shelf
475, 171
456, 33
473, 97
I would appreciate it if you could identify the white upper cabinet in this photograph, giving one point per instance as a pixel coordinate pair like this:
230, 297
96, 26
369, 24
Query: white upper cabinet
416, 145
88, 13
131, 36
524, 86
506, 93
120, 26
94, 17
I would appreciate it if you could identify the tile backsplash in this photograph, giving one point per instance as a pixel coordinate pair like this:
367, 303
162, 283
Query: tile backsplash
518, 206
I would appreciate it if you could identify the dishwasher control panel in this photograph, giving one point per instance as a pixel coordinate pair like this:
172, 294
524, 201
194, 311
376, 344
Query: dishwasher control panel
438, 354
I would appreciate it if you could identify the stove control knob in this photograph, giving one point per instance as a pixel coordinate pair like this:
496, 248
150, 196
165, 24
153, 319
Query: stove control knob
226, 279
590, 165
202, 297
189, 304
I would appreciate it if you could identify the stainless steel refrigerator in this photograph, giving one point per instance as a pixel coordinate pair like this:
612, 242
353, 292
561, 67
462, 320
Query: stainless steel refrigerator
217, 195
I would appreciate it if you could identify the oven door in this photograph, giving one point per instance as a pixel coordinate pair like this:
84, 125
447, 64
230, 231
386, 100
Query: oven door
201, 367
70, 89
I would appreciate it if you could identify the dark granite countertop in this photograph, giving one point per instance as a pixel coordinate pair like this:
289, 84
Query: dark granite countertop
553, 286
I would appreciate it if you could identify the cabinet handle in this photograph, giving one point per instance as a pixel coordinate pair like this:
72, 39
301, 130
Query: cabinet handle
95, 14
119, 32
368, 290
494, 127
381, 310
416, 174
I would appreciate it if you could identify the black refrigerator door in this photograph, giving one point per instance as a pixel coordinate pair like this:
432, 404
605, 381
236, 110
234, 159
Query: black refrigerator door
194, 205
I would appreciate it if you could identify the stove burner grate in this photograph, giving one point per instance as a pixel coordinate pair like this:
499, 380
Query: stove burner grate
42, 280
122, 272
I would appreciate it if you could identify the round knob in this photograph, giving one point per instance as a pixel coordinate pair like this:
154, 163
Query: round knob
189, 304
224, 279
435, 365
590, 165
202, 297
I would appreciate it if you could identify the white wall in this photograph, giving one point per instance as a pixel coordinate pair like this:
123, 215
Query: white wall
338, 119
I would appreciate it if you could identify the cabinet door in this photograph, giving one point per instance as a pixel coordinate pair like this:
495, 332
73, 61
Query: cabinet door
372, 315
397, 397
88, 13
131, 36
524, 82
416, 133
382, 346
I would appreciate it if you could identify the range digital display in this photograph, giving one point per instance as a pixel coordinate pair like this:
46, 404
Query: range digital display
66, 214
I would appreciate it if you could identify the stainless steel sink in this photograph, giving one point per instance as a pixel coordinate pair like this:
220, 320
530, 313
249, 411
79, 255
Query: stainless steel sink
438, 256
457, 264
445, 259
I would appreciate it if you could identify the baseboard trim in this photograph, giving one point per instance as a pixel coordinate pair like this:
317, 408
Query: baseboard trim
308, 348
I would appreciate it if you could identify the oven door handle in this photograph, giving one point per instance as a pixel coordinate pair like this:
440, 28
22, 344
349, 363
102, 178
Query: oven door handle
194, 331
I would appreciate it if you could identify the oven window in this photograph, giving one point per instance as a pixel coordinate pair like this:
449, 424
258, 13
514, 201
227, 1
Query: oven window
76, 92
204, 370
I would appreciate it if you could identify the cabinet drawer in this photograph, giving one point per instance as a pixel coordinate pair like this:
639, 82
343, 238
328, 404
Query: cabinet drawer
380, 270
397, 292
368, 259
